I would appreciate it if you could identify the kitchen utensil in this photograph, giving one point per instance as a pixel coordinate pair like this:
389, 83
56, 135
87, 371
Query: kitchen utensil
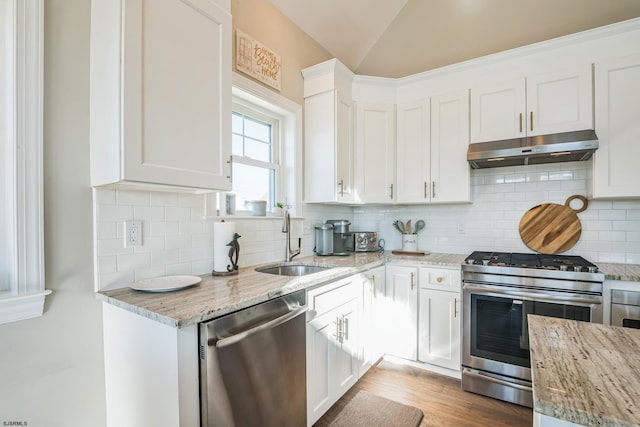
419, 226
407, 227
550, 228
400, 226
397, 226
409, 242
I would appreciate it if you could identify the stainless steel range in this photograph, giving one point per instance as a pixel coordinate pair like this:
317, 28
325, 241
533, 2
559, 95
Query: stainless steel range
499, 291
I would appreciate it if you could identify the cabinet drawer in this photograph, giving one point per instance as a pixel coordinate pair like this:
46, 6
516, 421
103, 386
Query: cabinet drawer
442, 279
328, 297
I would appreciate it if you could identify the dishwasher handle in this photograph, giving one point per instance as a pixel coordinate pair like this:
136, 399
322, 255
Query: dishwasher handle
227, 341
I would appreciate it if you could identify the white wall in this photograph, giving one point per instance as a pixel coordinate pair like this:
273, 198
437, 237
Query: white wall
51, 369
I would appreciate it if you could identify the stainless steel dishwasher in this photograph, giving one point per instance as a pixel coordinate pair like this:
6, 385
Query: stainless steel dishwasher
253, 366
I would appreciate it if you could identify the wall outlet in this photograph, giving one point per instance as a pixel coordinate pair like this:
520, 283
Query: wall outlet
132, 233
461, 228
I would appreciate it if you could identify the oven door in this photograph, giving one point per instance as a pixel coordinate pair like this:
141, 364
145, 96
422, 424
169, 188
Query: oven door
495, 327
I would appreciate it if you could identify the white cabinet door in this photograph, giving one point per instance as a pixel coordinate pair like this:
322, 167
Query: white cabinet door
497, 111
345, 367
345, 163
371, 319
321, 344
413, 146
333, 344
401, 311
375, 152
161, 93
556, 102
560, 102
615, 170
439, 328
328, 148
450, 171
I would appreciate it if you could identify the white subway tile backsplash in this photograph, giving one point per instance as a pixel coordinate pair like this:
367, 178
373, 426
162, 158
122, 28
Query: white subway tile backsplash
133, 261
131, 197
177, 240
149, 212
115, 212
610, 229
161, 198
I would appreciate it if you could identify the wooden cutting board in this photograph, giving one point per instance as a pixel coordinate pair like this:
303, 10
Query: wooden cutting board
551, 228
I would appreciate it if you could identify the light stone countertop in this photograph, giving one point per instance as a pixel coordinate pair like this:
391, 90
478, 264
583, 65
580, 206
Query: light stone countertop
216, 296
626, 272
585, 373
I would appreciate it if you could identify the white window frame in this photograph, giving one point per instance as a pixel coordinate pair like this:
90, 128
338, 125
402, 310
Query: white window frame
259, 113
21, 198
290, 143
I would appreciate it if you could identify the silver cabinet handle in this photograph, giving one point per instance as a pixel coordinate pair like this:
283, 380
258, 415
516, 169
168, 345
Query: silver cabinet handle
455, 308
531, 121
391, 187
412, 281
338, 335
520, 122
341, 184
433, 189
225, 342
345, 327
372, 279
426, 186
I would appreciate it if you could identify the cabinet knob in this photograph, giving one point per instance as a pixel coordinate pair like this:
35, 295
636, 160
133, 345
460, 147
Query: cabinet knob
439, 279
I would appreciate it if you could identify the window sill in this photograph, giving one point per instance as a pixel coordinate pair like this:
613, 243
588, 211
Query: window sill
22, 306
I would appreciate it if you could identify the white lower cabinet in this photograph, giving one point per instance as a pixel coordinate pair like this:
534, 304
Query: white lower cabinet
372, 342
439, 317
401, 311
332, 344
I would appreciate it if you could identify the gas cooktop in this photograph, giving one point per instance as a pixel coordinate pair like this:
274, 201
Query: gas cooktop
538, 261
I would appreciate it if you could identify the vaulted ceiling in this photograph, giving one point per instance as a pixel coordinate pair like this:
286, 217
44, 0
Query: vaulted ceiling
396, 38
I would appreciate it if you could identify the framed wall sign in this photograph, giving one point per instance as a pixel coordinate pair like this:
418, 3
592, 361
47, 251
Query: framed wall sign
258, 61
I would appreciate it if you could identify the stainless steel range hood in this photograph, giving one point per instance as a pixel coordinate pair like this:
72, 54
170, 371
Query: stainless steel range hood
533, 150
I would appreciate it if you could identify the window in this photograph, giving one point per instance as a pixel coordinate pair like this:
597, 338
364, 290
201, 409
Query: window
255, 154
267, 149
21, 212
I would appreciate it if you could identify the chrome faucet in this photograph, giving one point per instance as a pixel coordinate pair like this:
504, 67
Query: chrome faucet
286, 228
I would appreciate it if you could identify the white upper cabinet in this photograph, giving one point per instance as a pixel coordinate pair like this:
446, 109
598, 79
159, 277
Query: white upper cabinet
413, 158
553, 102
615, 170
160, 93
329, 150
497, 111
450, 171
375, 152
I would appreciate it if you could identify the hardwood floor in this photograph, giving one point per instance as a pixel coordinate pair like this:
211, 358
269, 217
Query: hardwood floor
439, 397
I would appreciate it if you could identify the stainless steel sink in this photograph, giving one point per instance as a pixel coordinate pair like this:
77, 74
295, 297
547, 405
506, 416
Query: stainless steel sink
293, 268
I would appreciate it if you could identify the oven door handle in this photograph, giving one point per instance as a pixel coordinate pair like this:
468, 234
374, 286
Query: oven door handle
538, 296
489, 378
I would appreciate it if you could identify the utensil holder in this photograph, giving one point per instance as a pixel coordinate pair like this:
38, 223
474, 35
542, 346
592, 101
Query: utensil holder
410, 242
